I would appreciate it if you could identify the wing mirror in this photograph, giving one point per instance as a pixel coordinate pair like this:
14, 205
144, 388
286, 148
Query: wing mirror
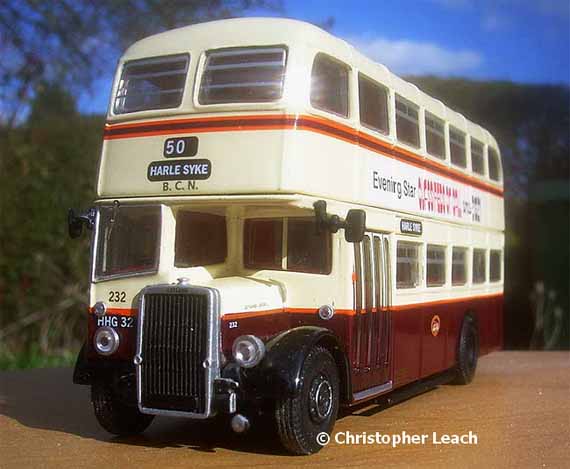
75, 222
354, 225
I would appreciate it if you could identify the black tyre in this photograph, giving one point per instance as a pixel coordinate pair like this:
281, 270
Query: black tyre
114, 415
301, 418
467, 352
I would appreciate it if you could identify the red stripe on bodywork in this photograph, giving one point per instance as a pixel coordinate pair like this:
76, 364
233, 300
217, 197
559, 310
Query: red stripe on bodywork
283, 122
314, 310
120, 311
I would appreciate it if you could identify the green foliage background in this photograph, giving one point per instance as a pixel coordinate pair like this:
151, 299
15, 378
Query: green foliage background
49, 163
46, 165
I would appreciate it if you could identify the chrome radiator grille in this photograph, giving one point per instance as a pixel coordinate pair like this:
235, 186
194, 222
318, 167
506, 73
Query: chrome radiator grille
175, 350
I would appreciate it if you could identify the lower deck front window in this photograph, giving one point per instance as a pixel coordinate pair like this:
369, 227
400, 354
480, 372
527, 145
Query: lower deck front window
128, 240
303, 251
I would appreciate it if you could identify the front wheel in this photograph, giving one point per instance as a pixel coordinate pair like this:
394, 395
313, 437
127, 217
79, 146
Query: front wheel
467, 351
114, 415
313, 411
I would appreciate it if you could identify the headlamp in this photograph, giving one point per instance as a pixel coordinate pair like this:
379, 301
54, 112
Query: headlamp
106, 341
248, 350
99, 308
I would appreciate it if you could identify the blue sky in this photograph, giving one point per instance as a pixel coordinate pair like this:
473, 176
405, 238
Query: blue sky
525, 41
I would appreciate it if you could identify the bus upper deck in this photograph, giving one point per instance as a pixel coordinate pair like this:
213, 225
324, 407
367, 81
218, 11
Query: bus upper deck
288, 108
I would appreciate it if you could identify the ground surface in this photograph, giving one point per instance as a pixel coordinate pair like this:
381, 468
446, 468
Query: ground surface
518, 406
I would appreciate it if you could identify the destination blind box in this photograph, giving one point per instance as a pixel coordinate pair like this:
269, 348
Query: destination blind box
412, 227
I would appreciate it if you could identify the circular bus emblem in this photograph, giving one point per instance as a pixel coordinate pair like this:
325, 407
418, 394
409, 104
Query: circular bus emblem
435, 323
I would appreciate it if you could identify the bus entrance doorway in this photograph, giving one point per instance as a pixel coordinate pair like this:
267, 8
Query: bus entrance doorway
371, 327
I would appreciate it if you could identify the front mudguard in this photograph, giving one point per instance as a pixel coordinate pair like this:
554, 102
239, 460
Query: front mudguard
87, 371
82, 373
278, 374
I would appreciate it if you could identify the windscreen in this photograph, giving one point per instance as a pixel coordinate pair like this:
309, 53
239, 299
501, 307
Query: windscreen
128, 241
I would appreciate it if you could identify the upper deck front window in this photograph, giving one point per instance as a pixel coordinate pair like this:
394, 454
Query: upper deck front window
156, 83
243, 75
128, 241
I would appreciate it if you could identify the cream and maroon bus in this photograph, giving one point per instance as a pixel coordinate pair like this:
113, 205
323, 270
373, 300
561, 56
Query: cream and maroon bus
282, 226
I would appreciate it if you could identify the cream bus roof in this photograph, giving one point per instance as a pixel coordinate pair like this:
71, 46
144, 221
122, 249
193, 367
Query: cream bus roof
230, 33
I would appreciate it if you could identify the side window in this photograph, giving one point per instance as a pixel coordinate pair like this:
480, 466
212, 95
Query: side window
479, 267
200, 239
305, 250
435, 265
329, 85
459, 266
407, 123
435, 136
263, 243
495, 266
407, 265
477, 160
308, 251
494, 172
457, 147
373, 103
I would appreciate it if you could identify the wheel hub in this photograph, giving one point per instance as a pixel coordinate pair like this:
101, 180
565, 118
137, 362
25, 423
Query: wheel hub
320, 399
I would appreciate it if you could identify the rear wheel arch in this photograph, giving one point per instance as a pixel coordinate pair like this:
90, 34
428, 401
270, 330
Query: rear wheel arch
467, 349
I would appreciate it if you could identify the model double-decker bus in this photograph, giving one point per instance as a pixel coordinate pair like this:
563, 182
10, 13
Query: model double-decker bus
282, 226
